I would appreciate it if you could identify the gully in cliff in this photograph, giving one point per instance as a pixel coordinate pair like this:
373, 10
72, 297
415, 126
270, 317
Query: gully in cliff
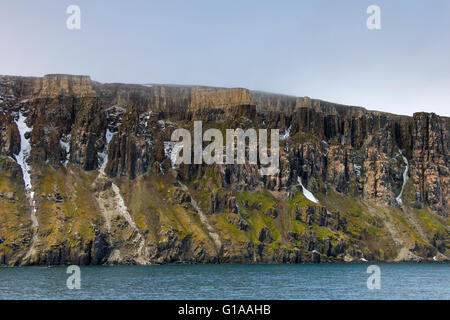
255, 144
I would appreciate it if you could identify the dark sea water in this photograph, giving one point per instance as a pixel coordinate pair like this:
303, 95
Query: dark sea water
303, 281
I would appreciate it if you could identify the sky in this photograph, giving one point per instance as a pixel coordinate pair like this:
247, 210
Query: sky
316, 48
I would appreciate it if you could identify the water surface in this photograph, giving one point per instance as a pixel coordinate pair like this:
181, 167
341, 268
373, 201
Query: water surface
302, 281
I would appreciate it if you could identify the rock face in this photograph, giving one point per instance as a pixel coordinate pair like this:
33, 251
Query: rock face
430, 161
220, 104
54, 85
103, 188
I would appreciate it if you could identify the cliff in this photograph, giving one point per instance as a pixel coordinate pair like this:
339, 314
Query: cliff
86, 178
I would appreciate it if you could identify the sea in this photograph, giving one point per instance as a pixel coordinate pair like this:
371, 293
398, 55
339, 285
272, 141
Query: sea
229, 281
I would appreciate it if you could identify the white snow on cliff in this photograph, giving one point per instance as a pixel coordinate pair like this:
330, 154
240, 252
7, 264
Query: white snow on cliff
25, 149
65, 144
308, 194
286, 134
21, 158
104, 154
171, 151
405, 178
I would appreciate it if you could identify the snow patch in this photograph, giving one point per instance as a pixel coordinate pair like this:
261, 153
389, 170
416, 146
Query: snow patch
357, 169
121, 206
114, 205
238, 209
287, 134
104, 154
405, 178
203, 218
25, 149
308, 194
21, 158
162, 124
64, 142
326, 147
172, 150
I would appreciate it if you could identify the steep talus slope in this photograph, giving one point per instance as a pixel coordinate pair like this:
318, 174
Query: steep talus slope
353, 184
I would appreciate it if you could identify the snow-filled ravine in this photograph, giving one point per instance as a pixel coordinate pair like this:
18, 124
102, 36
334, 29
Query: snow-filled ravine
287, 134
405, 178
172, 150
65, 144
285, 137
25, 149
203, 218
104, 155
308, 194
120, 203
114, 205
21, 158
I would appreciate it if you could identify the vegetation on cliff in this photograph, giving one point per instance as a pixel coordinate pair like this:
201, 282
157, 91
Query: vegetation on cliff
105, 190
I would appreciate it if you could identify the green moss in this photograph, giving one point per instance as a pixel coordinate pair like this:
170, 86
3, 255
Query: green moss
406, 226
298, 200
227, 229
262, 198
140, 221
256, 217
5, 249
372, 230
322, 232
86, 230
355, 213
274, 245
149, 201
430, 221
270, 225
298, 226
255, 223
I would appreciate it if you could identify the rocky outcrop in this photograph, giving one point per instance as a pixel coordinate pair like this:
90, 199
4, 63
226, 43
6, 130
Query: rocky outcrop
319, 215
131, 148
220, 104
431, 161
9, 136
54, 85
264, 235
105, 189
88, 136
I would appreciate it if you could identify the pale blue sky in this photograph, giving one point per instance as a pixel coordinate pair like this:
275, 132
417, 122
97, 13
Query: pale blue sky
320, 49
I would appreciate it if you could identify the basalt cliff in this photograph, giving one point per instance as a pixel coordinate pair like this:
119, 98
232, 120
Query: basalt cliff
87, 177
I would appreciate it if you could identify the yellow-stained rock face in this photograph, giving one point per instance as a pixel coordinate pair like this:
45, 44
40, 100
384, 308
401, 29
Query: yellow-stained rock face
62, 84
223, 102
376, 185
219, 98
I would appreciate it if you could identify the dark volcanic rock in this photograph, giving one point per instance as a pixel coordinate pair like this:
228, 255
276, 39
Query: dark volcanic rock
264, 235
